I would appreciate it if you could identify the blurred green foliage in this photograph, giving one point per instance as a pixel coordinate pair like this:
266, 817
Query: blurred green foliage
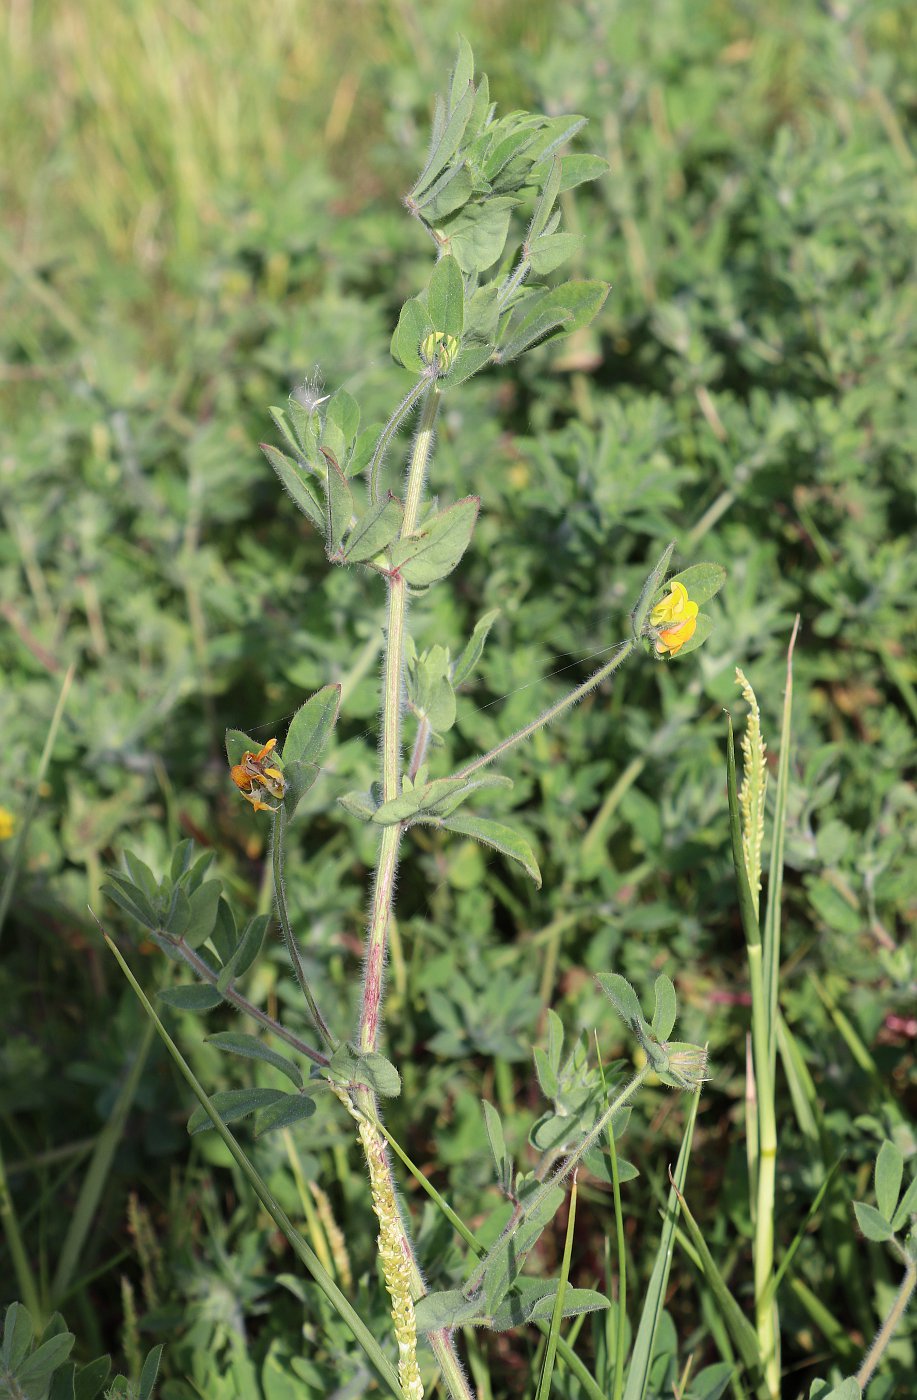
202, 205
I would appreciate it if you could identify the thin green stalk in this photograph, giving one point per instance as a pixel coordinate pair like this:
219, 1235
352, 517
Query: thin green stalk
25, 1279
205, 973
389, 431
9, 884
621, 1315
98, 1169
277, 839
550, 714
887, 1330
330, 1289
544, 1385
532, 1205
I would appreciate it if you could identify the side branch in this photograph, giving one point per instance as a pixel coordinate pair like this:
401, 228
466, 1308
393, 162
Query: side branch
551, 713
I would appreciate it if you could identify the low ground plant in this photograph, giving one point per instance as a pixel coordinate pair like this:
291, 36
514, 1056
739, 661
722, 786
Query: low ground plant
533, 842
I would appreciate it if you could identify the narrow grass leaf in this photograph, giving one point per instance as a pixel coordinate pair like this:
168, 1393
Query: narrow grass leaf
547, 1371
740, 1329
654, 1302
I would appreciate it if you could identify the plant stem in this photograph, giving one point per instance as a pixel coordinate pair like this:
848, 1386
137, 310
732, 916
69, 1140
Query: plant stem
388, 432
18, 850
202, 969
551, 713
278, 831
766, 1170
886, 1331
25, 1278
387, 863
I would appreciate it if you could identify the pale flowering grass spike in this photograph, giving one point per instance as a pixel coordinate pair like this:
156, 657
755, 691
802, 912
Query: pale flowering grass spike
754, 788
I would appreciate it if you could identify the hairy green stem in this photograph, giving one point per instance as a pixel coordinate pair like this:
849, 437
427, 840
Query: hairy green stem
387, 864
887, 1330
558, 1175
389, 431
551, 713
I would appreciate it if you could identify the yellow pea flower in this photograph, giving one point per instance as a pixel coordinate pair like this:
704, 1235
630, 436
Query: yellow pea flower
254, 777
7, 824
676, 620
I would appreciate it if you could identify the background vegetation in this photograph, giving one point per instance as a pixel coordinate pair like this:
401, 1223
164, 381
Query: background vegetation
202, 203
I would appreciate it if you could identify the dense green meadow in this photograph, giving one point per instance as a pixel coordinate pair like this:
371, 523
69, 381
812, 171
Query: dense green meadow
202, 213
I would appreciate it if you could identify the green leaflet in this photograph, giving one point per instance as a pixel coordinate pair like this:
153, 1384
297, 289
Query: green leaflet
295, 480
436, 549
374, 531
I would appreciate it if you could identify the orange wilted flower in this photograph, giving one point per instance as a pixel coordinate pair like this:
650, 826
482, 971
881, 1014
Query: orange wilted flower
255, 776
676, 620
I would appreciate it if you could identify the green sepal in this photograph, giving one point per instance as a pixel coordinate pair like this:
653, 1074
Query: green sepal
295, 482
436, 549
231, 1105
348, 1067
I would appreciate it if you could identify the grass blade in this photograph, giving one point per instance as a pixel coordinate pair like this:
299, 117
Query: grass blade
642, 1355
775, 873
97, 1171
9, 884
547, 1370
